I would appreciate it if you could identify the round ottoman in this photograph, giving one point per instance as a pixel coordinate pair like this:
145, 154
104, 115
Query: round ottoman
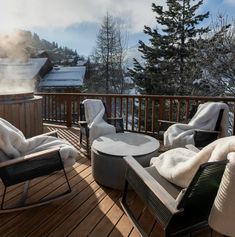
107, 152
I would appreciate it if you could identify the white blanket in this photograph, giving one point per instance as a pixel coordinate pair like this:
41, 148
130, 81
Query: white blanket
14, 144
179, 165
179, 135
222, 213
94, 112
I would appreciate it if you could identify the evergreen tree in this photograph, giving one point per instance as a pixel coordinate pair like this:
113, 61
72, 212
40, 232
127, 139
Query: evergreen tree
170, 57
217, 54
108, 57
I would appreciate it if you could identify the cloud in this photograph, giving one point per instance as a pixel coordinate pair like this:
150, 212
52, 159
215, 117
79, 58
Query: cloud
62, 13
75, 22
232, 2
81, 36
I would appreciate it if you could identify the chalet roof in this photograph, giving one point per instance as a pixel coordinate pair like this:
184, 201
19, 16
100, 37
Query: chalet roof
64, 77
128, 80
15, 69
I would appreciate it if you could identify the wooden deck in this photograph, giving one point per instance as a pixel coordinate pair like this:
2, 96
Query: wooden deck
91, 210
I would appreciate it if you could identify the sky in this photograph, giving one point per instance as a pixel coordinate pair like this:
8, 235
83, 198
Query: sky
75, 23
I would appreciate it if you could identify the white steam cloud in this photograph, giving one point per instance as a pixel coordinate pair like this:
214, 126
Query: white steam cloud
14, 66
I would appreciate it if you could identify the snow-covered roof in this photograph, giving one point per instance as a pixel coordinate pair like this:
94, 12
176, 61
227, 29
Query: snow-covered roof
81, 62
17, 70
128, 80
132, 91
64, 77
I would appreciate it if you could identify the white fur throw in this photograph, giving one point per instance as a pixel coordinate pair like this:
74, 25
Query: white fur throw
179, 135
94, 112
179, 165
14, 144
222, 214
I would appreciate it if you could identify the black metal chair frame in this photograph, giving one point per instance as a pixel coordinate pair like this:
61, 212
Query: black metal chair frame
83, 124
34, 165
177, 216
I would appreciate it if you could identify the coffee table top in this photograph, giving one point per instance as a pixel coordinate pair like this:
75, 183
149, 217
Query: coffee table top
124, 144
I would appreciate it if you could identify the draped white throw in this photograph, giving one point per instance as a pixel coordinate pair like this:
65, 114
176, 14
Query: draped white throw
179, 135
222, 214
94, 112
179, 165
14, 144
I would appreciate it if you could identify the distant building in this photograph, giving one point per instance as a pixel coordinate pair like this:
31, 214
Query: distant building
20, 76
63, 79
38, 74
128, 81
81, 62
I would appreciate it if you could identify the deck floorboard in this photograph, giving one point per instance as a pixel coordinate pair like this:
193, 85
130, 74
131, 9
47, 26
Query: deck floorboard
91, 209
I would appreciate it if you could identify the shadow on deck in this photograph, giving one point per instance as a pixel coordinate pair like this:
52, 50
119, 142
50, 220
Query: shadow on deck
92, 210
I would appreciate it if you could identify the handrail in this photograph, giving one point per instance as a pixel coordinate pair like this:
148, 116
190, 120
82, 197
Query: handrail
207, 98
140, 112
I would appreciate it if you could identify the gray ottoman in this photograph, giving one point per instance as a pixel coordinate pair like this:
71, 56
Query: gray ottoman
107, 152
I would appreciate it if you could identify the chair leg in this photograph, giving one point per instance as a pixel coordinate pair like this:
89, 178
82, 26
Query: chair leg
24, 194
67, 180
87, 142
129, 212
80, 136
21, 206
3, 197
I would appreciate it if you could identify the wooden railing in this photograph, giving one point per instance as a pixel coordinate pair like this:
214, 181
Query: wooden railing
140, 112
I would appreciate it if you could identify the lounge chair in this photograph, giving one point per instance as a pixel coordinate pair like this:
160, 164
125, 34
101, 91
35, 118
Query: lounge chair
84, 122
163, 124
209, 123
23, 169
179, 211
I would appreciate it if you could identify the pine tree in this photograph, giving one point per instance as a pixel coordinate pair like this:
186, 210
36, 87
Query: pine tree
170, 58
108, 57
217, 60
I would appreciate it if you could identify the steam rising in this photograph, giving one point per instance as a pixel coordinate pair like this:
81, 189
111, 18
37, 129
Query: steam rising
15, 70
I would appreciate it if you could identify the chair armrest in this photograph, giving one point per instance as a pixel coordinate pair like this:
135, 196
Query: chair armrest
163, 125
206, 131
166, 121
115, 119
35, 155
83, 123
117, 122
51, 133
165, 198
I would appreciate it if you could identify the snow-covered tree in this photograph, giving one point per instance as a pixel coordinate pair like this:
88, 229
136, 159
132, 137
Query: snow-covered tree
170, 54
217, 54
108, 57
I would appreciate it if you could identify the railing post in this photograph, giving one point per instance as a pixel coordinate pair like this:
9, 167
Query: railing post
139, 114
178, 110
109, 105
146, 114
154, 116
234, 119
69, 111
132, 113
127, 112
161, 108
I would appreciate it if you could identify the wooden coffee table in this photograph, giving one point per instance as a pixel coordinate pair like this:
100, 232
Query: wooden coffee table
107, 152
